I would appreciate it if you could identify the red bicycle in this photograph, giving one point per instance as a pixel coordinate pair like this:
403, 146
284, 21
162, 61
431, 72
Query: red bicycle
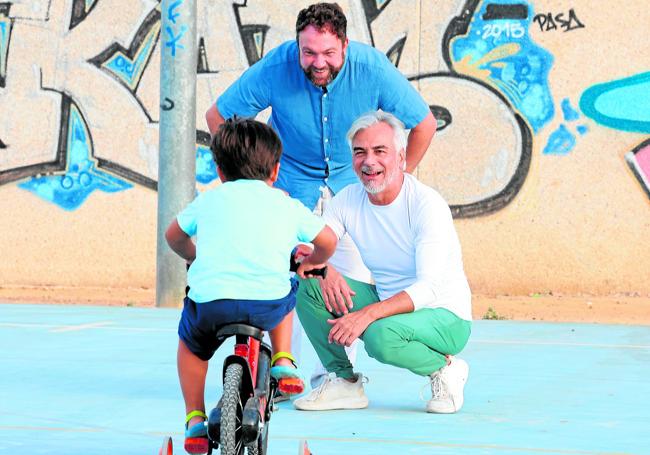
241, 417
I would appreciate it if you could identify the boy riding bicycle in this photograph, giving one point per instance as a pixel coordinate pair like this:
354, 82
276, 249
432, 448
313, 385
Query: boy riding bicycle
245, 232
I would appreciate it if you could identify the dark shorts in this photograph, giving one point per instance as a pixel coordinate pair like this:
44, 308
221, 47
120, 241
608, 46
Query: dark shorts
200, 321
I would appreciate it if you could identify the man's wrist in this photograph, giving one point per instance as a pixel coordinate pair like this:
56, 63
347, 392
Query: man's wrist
371, 312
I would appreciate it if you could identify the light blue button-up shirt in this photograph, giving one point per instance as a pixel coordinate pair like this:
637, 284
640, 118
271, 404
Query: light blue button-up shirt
312, 122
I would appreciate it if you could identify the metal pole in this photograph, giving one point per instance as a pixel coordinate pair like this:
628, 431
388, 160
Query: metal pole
177, 138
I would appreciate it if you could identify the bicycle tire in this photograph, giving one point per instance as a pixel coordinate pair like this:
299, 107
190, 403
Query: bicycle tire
231, 412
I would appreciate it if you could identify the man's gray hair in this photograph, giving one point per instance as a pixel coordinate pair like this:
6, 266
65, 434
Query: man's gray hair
372, 118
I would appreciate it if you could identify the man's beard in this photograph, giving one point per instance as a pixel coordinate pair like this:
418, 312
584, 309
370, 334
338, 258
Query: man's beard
311, 74
375, 188
313, 77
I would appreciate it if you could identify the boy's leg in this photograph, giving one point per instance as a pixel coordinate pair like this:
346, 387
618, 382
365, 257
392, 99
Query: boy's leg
296, 337
417, 341
314, 315
281, 339
191, 373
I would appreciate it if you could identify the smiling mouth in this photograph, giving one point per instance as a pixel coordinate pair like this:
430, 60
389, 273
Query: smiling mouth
371, 174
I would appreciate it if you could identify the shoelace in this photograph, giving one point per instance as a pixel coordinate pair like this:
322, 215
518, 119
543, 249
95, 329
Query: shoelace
437, 389
318, 391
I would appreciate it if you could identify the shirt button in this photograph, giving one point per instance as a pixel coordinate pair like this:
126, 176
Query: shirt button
327, 140
327, 158
324, 119
324, 95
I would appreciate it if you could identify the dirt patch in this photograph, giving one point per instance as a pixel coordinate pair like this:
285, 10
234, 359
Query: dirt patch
597, 309
616, 309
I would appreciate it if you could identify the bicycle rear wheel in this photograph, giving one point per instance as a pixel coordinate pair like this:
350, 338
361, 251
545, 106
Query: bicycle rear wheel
231, 411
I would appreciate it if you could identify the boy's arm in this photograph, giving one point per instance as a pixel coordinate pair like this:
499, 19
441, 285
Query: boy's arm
180, 242
324, 246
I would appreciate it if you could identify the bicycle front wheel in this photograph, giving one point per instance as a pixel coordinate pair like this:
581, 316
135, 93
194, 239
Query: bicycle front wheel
231, 412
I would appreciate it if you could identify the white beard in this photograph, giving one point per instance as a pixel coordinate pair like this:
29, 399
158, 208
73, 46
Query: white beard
373, 188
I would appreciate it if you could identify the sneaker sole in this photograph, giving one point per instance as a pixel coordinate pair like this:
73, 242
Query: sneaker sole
331, 406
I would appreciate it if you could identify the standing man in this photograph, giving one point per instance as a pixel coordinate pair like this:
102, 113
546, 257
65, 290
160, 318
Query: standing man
418, 316
317, 86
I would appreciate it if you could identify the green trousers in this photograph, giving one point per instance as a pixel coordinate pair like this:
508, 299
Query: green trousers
417, 341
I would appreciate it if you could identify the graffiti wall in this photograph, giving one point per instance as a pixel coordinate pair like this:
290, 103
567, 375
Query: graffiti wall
542, 149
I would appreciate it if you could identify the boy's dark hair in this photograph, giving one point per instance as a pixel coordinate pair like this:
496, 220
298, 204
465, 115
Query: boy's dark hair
323, 16
246, 149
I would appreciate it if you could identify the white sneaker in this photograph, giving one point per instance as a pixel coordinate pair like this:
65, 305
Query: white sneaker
320, 373
335, 393
447, 386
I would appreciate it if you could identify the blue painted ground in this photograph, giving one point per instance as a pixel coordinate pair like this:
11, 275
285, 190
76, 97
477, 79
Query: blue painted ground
95, 380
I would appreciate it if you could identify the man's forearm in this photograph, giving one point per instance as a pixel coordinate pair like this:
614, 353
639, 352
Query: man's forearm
214, 119
398, 304
418, 141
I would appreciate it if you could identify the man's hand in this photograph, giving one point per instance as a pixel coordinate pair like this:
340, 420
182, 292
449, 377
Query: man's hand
336, 292
348, 328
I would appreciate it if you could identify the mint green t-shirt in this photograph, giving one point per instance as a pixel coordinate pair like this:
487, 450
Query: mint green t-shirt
245, 231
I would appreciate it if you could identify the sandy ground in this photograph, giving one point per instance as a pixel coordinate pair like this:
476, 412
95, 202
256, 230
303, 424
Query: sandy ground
614, 309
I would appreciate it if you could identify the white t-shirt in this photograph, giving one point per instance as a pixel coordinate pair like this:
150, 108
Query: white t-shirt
409, 245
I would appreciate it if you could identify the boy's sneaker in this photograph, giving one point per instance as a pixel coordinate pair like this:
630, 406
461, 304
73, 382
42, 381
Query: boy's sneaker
447, 386
335, 393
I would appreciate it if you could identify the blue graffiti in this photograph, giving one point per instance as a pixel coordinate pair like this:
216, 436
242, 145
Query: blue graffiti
81, 178
206, 170
4, 44
623, 104
502, 52
173, 39
170, 11
560, 142
568, 111
130, 70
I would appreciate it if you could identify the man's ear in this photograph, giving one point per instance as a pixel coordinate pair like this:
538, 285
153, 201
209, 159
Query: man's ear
345, 44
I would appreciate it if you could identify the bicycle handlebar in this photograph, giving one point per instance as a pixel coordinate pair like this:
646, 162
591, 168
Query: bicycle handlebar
322, 272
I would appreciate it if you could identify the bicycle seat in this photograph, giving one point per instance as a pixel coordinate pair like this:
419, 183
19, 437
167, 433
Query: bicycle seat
240, 329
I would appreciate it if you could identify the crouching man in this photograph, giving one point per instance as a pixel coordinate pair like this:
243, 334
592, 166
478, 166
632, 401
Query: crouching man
418, 314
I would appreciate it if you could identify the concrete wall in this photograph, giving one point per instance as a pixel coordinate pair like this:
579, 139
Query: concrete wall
543, 149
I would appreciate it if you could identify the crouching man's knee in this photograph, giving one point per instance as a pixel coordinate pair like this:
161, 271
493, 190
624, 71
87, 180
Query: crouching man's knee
380, 342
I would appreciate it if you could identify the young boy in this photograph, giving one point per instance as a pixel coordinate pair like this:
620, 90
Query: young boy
245, 231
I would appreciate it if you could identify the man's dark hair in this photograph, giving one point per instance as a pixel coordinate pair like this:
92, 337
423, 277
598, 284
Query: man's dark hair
246, 149
325, 17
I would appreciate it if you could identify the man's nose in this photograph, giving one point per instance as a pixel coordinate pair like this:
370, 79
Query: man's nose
369, 159
319, 61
